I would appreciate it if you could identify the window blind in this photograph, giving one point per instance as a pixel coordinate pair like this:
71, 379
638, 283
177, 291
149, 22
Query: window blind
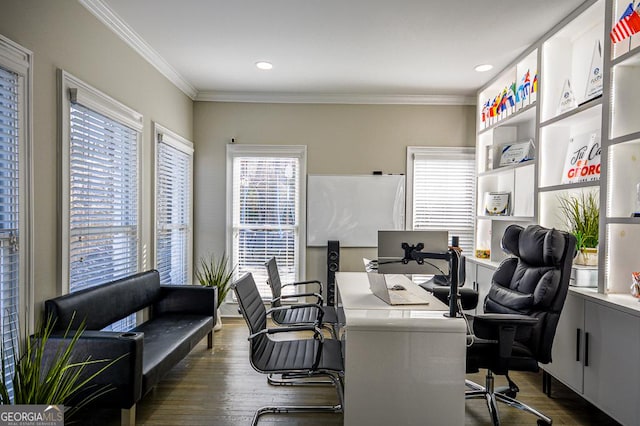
103, 210
443, 193
266, 218
174, 169
10, 192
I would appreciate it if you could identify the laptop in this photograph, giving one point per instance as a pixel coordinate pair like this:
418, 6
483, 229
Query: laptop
378, 286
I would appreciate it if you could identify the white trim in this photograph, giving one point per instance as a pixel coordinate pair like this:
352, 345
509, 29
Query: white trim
328, 98
109, 18
173, 139
103, 104
78, 91
164, 135
19, 60
298, 151
418, 151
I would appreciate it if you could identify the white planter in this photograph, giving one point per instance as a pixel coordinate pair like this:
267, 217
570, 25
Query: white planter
218, 325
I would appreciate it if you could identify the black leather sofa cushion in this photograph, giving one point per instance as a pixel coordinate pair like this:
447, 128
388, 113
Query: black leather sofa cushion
167, 340
104, 304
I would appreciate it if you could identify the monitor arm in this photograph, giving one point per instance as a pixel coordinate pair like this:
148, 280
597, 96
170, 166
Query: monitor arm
415, 253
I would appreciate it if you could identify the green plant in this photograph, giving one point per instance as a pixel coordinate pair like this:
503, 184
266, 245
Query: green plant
582, 215
215, 272
40, 378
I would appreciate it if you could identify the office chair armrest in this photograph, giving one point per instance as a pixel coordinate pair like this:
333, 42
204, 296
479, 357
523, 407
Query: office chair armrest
305, 282
319, 298
319, 315
501, 327
317, 333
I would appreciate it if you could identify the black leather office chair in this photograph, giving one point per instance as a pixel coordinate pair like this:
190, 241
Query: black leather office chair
297, 314
301, 357
522, 310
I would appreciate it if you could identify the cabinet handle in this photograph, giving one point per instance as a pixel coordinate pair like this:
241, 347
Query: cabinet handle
578, 334
586, 349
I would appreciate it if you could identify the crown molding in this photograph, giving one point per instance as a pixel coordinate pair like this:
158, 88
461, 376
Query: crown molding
108, 17
326, 98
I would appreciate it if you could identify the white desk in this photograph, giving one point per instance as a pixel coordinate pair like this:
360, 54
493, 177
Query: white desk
404, 365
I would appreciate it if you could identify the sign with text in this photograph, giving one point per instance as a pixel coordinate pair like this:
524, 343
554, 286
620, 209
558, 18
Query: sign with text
31, 415
582, 163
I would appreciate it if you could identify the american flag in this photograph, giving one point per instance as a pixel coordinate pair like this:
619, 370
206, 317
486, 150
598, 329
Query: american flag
628, 25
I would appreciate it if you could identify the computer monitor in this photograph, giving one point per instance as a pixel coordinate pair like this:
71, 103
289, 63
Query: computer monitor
391, 252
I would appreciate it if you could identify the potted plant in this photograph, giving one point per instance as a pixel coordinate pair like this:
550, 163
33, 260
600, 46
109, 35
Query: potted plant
215, 272
45, 377
582, 216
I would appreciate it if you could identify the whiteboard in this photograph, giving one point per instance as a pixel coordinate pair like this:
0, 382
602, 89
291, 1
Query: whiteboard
351, 209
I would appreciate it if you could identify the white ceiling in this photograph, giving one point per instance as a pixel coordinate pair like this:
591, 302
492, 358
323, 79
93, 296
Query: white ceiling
325, 48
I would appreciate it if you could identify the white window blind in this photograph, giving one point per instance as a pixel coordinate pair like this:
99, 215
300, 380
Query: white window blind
443, 181
10, 193
174, 170
266, 211
102, 190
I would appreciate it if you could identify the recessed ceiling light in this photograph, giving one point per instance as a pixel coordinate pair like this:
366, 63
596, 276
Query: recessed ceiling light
263, 65
483, 67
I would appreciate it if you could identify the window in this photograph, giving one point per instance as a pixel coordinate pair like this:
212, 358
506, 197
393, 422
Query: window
266, 193
441, 188
174, 171
100, 188
15, 144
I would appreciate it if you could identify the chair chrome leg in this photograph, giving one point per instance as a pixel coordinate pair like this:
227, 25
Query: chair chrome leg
296, 409
335, 379
297, 380
521, 406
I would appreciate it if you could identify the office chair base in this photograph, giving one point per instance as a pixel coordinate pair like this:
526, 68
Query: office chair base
335, 409
296, 380
492, 397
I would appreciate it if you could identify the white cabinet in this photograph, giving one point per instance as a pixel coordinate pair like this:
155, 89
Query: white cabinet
567, 353
612, 351
595, 352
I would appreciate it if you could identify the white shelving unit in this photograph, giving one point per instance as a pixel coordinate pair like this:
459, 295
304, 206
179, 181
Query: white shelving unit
610, 120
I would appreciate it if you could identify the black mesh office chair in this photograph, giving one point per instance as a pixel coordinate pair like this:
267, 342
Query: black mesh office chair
306, 357
522, 309
307, 313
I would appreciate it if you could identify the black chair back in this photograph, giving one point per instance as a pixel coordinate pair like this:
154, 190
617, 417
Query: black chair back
273, 279
534, 282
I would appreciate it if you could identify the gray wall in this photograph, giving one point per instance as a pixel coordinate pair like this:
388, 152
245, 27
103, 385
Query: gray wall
340, 139
63, 34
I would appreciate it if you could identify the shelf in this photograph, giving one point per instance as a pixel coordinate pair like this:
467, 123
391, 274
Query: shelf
584, 112
567, 56
521, 116
624, 220
626, 138
507, 218
622, 256
631, 58
506, 168
625, 91
570, 186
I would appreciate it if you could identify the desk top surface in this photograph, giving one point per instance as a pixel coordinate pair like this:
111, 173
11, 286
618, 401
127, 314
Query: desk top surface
365, 310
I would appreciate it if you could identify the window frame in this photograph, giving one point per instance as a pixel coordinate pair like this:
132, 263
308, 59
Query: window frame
412, 152
19, 60
291, 151
95, 100
164, 135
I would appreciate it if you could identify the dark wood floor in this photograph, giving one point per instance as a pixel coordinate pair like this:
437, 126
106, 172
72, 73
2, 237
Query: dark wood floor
220, 388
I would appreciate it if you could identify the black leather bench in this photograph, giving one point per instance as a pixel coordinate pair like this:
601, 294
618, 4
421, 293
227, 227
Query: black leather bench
179, 317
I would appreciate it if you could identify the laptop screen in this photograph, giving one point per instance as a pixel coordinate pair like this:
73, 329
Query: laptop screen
391, 253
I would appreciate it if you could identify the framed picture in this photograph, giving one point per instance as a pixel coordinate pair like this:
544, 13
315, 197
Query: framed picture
497, 203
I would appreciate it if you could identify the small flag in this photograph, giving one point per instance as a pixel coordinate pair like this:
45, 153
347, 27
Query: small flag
628, 25
534, 87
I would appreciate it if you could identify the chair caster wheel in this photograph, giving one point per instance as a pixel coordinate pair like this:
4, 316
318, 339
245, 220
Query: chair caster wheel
543, 423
